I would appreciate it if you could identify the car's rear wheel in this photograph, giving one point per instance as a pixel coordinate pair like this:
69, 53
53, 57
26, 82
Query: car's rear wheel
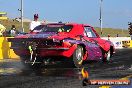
78, 56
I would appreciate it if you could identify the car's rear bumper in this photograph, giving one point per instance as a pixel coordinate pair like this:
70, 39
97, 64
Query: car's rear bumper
43, 52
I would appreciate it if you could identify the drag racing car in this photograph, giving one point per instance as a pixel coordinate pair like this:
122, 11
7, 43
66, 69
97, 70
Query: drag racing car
72, 41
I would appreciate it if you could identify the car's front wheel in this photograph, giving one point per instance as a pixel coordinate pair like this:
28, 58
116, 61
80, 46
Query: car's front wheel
78, 56
107, 56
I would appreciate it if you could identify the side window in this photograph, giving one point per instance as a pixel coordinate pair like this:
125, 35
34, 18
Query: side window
89, 32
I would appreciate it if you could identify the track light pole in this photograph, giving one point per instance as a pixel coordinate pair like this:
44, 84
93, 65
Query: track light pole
22, 16
101, 16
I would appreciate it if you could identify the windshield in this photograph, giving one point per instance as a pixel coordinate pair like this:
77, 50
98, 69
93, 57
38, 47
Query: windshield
53, 28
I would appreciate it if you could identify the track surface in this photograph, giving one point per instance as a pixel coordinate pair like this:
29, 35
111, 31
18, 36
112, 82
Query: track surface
13, 74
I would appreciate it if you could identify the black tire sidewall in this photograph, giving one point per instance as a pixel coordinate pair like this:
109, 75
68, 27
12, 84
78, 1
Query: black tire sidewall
105, 58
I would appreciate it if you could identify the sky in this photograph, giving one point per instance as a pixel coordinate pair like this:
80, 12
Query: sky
115, 13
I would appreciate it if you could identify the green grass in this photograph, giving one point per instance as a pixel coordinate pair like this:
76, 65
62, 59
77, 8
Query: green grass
9, 23
112, 32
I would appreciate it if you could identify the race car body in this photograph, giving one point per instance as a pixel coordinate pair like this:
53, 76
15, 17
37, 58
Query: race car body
79, 41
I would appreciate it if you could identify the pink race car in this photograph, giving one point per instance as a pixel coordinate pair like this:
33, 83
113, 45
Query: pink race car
76, 42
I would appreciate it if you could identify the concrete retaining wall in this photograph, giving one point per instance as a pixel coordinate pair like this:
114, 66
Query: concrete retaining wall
117, 41
5, 51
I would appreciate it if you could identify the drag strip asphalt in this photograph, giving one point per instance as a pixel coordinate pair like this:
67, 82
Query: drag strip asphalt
13, 74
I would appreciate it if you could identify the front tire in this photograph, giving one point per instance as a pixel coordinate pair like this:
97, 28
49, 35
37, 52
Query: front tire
78, 56
107, 56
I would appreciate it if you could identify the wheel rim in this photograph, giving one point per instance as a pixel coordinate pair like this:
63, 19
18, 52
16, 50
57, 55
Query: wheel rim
79, 54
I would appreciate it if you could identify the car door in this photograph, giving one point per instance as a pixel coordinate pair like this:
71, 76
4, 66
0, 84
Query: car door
93, 48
